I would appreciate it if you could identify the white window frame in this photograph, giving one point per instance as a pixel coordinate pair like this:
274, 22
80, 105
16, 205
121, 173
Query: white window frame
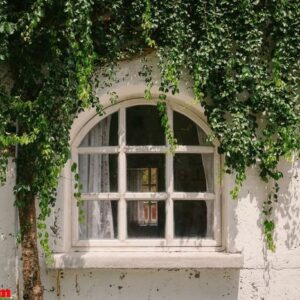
169, 243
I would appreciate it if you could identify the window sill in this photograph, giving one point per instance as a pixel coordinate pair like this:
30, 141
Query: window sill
147, 260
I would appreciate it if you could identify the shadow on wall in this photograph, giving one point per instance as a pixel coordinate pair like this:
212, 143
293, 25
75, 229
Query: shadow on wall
245, 231
287, 212
208, 284
244, 216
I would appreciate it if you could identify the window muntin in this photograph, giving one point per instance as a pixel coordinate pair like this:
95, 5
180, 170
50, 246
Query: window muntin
157, 189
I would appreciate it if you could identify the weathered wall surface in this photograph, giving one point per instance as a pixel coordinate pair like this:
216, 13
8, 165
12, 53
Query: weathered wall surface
8, 274
264, 275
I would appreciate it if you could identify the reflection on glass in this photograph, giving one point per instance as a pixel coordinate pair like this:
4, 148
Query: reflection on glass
105, 133
187, 132
100, 220
190, 218
145, 172
193, 173
146, 219
143, 179
98, 172
143, 126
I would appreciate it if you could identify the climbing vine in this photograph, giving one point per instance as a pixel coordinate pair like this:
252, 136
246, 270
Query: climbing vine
242, 57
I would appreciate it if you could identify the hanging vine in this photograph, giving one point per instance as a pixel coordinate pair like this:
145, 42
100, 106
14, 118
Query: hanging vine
242, 55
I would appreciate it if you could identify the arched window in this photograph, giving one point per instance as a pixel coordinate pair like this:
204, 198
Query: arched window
135, 192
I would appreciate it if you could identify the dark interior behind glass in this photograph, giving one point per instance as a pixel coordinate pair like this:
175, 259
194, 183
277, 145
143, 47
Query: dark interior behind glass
143, 126
190, 218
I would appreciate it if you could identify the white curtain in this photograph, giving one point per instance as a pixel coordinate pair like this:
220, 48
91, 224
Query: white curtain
208, 167
94, 175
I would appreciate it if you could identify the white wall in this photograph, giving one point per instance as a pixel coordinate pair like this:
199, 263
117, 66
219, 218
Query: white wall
264, 275
8, 274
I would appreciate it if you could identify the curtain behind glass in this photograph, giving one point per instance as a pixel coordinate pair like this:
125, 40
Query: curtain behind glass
208, 166
94, 175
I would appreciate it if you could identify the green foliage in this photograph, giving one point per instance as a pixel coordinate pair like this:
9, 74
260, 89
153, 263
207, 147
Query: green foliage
77, 194
162, 110
243, 58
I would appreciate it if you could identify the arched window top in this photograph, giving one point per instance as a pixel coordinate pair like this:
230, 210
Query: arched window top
143, 127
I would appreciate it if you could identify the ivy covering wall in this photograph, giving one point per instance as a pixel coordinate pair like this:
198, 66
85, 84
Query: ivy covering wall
242, 55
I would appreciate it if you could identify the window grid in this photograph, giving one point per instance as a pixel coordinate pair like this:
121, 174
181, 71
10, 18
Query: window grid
169, 196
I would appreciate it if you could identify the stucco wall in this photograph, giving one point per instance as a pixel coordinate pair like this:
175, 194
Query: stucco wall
8, 231
264, 275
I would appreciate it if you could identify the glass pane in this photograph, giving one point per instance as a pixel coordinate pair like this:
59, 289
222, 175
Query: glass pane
193, 172
146, 172
105, 133
193, 219
100, 220
146, 219
98, 172
187, 132
143, 126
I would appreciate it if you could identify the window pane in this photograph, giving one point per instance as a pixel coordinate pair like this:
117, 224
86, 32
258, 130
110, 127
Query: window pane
187, 132
98, 172
146, 172
146, 219
193, 219
105, 133
100, 220
143, 126
193, 172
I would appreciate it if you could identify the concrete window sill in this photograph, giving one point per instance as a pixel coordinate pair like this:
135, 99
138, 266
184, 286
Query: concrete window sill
147, 260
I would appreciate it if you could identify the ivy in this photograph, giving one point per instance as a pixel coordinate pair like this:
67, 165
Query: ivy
242, 57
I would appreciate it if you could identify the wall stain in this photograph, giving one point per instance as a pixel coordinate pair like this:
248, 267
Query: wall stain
61, 274
254, 287
58, 277
54, 227
77, 288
